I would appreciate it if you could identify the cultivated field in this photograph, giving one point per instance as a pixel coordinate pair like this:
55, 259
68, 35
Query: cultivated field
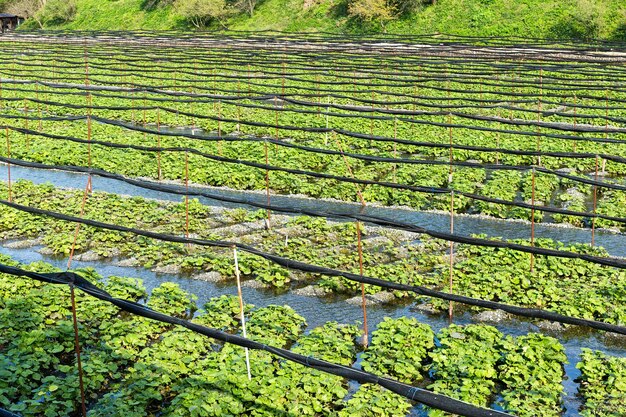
443, 216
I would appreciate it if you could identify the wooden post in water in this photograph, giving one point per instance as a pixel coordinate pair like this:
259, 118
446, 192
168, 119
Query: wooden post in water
363, 299
595, 204
532, 219
9, 163
242, 315
451, 266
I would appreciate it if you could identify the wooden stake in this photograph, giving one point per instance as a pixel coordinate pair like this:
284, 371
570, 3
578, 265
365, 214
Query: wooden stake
327, 124
451, 266
345, 160
450, 171
395, 147
532, 220
8, 164
158, 121
242, 315
187, 196
79, 364
363, 300
595, 203
267, 185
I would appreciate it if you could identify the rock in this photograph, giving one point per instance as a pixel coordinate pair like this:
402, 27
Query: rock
426, 308
376, 241
240, 229
615, 338
128, 262
167, 269
383, 297
551, 326
575, 193
375, 299
537, 202
46, 251
253, 283
298, 276
566, 170
310, 291
211, 276
88, 256
23, 243
491, 316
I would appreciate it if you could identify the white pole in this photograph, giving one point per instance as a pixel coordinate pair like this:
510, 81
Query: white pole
241, 310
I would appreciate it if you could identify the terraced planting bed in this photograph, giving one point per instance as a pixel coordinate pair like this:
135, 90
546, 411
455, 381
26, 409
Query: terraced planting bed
507, 134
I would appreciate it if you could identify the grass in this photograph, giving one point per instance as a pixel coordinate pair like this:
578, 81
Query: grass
117, 15
583, 19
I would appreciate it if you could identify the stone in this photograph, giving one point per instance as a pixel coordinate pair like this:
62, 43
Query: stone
550, 326
211, 276
372, 299
310, 291
426, 308
46, 251
491, 316
23, 243
167, 269
253, 283
88, 256
128, 262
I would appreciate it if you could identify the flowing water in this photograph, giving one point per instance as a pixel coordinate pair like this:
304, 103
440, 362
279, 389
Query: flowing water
319, 310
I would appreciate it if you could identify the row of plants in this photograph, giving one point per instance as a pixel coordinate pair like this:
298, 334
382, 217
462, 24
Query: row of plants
138, 367
568, 286
270, 78
602, 384
243, 116
503, 275
506, 185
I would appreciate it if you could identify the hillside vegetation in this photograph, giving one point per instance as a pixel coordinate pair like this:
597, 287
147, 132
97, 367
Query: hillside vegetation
583, 19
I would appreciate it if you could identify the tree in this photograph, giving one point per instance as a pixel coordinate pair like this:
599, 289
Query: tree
59, 11
200, 12
27, 9
248, 6
380, 11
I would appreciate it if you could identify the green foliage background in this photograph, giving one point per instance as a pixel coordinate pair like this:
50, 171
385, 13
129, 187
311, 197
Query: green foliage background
587, 19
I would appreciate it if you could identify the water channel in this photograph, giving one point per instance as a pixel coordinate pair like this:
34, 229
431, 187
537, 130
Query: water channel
319, 310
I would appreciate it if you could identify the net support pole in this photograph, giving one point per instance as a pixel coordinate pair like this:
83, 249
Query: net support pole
242, 314
8, 164
74, 240
538, 133
451, 264
595, 205
361, 271
219, 124
187, 197
327, 122
575, 144
83, 407
26, 126
39, 124
158, 128
532, 219
450, 178
395, 148
359, 242
268, 219
498, 138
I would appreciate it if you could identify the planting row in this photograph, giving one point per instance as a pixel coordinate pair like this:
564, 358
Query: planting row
504, 275
515, 186
137, 367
